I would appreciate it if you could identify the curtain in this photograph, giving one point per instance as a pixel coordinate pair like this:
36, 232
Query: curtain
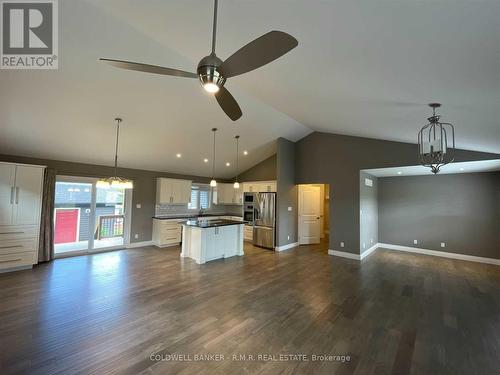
46, 242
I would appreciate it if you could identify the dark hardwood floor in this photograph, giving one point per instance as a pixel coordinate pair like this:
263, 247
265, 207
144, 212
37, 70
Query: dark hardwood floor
394, 313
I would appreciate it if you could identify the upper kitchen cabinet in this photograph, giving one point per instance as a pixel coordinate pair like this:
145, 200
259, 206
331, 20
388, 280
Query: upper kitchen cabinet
259, 187
227, 194
20, 194
173, 191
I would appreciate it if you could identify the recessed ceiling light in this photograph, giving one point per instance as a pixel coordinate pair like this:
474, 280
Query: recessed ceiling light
245, 152
228, 164
400, 172
178, 155
205, 160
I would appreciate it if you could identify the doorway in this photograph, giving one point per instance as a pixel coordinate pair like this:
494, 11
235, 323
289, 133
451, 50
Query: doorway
88, 218
313, 213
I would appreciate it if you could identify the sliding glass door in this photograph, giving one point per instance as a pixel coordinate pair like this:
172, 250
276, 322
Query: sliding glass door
87, 218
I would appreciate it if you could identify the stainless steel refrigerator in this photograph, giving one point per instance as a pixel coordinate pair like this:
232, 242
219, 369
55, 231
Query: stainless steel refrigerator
264, 212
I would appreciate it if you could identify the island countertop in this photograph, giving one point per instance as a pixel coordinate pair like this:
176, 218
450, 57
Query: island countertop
212, 223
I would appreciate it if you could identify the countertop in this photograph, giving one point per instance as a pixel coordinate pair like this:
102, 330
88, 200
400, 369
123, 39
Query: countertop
212, 223
193, 216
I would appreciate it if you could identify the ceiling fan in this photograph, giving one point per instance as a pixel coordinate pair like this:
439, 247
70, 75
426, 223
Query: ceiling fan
213, 72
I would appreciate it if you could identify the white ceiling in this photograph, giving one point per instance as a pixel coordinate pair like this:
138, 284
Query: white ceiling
362, 68
453, 168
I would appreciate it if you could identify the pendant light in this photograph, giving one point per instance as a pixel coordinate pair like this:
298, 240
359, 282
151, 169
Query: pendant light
213, 183
115, 181
436, 142
236, 184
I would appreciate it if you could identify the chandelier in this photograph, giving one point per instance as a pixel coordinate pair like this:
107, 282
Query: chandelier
436, 142
115, 181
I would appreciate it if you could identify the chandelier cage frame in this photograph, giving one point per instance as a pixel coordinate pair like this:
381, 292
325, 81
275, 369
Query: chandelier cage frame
436, 142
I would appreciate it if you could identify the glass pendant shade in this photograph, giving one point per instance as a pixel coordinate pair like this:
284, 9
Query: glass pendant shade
115, 181
236, 185
436, 142
213, 183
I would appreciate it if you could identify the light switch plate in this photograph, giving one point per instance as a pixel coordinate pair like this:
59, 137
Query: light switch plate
136, 236
289, 208
415, 242
342, 244
443, 244
138, 205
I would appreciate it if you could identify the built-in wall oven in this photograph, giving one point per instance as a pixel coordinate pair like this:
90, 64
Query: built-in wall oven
248, 211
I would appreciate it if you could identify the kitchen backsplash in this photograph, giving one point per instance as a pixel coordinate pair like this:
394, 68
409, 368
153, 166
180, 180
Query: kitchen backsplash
179, 210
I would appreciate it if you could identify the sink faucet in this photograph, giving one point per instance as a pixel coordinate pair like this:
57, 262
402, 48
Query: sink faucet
200, 212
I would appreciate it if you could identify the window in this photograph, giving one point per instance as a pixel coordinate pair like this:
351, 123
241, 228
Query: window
200, 197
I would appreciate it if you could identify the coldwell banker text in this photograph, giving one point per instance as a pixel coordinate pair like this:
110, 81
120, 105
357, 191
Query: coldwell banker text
29, 34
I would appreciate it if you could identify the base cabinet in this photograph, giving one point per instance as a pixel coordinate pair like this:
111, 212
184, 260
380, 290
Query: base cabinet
167, 232
248, 235
206, 244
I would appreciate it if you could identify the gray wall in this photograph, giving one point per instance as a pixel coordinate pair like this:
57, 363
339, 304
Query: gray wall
144, 187
368, 212
462, 210
333, 159
287, 193
264, 171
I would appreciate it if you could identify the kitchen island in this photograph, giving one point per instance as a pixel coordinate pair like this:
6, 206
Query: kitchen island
206, 240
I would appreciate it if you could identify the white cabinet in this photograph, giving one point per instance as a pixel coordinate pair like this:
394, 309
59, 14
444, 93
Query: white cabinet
248, 233
173, 191
20, 194
227, 194
206, 244
20, 205
167, 232
259, 187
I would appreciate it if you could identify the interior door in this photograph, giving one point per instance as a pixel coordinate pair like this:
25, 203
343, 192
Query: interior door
309, 214
27, 195
7, 177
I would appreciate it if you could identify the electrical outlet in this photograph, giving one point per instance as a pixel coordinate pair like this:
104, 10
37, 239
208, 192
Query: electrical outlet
443, 244
342, 244
136, 236
415, 242
371, 240
138, 205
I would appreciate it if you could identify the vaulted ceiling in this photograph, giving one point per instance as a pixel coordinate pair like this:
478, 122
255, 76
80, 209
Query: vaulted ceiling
364, 68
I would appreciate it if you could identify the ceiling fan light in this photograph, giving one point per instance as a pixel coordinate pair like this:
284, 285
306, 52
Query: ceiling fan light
213, 183
211, 88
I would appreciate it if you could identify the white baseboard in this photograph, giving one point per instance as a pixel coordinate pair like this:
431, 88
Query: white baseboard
344, 254
369, 251
286, 247
139, 244
442, 254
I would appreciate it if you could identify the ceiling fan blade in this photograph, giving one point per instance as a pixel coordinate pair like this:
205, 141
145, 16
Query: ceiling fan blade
149, 68
228, 103
257, 53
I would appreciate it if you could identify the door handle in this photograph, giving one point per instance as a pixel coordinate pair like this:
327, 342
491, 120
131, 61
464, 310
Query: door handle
17, 194
12, 195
